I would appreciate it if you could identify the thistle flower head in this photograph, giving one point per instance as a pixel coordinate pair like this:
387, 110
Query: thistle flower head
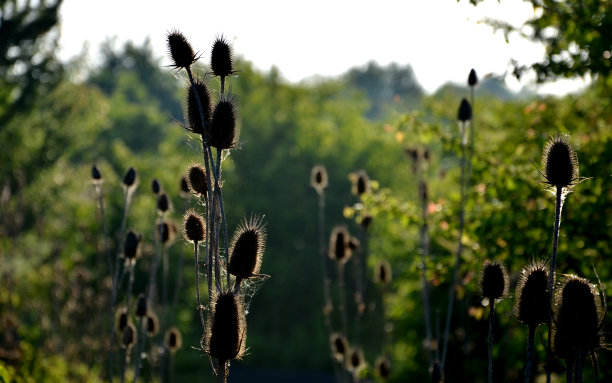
222, 130
532, 298
184, 187
197, 180
128, 337
318, 178
131, 246
194, 226
221, 61
152, 324
339, 346
130, 178
355, 361
180, 50
165, 232
472, 78
192, 113
382, 273
226, 333
155, 186
247, 248
164, 204
493, 281
173, 340
361, 182
560, 163
339, 249
465, 111
96, 175
141, 306
121, 320
383, 367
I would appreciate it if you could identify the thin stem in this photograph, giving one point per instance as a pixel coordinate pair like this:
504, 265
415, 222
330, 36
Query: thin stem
491, 313
425, 287
342, 297
529, 360
125, 363
104, 227
551, 278
127, 309
140, 342
197, 274
324, 272
578, 372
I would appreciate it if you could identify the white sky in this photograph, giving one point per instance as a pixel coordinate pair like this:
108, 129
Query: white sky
441, 39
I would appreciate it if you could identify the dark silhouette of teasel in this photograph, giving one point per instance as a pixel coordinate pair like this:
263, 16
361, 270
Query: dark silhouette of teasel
141, 306
226, 335
560, 163
131, 245
130, 178
222, 130
532, 296
493, 280
339, 249
318, 178
197, 180
221, 60
193, 121
180, 50
155, 186
173, 340
472, 78
246, 249
194, 226
96, 175
464, 113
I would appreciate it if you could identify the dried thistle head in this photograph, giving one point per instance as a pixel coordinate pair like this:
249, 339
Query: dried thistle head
247, 248
221, 61
472, 78
226, 332
560, 163
173, 340
383, 367
96, 175
197, 180
339, 249
532, 299
222, 130
318, 178
131, 245
180, 50
194, 227
122, 319
130, 179
361, 182
493, 281
166, 232
465, 111
339, 346
152, 324
155, 186
128, 337
164, 204
382, 273
141, 306
355, 361
184, 187
192, 114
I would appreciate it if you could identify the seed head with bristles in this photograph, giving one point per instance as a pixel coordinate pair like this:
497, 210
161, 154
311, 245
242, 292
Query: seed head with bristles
221, 61
152, 324
247, 248
493, 281
130, 178
131, 246
532, 298
226, 332
339, 249
560, 163
184, 187
318, 178
361, 182
465, 111
180, 50
141, 306
382, 273
355, 361
165, 232
164, 204
339, 346
122, 319
128, 337
383, 367
155, 186
222, 130
194, 227
192, 114
472, 78
173, 340
196, 180
96, 175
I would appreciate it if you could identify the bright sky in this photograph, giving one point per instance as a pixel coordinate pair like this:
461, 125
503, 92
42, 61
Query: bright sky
441, 39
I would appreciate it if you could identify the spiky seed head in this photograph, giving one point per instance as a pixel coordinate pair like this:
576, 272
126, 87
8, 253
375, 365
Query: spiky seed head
532, 298
96, 175
355, 362
382, 273
493, 280
366, 220
166, 232
141, 306
361, 182
180, 50
465, 111
222, 130
383, 367
472, 78
121, 320
339, 249
155, 186
130, 178
560, 163
339, 346
221, 61
194, 226
247, 248
184, 187
193, 120
131, 246
128, 337
152, 324
196, 180
577, 318
163, 203
173, 339
226, 333
318, 178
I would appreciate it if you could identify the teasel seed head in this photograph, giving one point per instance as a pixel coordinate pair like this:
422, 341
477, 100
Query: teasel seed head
472, 78
355, 361
152, 324
155, 186
382, 273
361, 182
247, 248
193, 120
130, 178
226, 333
339, 249
339, 346
222, 130
465, 111
128, 337
194, 226
366, 220
131, 246
532, 299
180, 50
173, 340
318, 178
196, 180
96, 175
577, 318
184, 187
560, 163
493, 281
166, 232
164, 204
221, 61
383, 367
122, 319
141, 306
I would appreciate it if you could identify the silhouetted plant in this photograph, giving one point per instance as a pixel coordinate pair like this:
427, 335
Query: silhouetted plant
493, 287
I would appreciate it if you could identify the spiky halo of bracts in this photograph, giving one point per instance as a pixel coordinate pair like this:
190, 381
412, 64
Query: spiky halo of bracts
493, 281
339, 249
221, 60
128, 337
355, 361
173, 339
193, 120
339, 346
383, 367
247, 247
560, 163
360, 182
222, 131
532, 297
180, 50
196, 180
318, 178
194, 226
226, 329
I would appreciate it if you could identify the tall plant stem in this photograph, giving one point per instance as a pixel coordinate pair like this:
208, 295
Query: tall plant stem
425, 287
104, 228
551, 278
197, 276
529, 360
358, 266
127, 310
327, 304
451, 297
578, 372
342, 294
140, 343
491, 313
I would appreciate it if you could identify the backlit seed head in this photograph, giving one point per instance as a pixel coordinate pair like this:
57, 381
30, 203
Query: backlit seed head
361, 182
141, 306
222, 130
155, 186
339, 249
560, 163
196, 180
131, 246
493, 280
152, 324
247, 248
355, 361
339, 346
383, 367
221, 61
96, 175
163, 203
130, 178
165, 232
577, 318
193, 120
472, 78
465, 111
184, 187
180, 50
173, 340
128, 338
121, 320
318, 178
194, 226
532, 298
226, 333
382, 273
